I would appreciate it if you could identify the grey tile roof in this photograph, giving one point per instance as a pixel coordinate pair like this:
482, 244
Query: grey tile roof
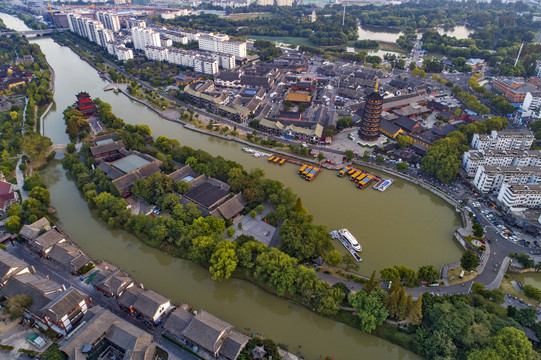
31, 231
129, 297
48, 239
10, 263
149, 302
116, 282
63, 304
99, 323
233, 345
206, 330
40, 290
177, 321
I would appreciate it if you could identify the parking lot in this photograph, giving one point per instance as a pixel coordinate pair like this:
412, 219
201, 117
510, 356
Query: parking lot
12, 333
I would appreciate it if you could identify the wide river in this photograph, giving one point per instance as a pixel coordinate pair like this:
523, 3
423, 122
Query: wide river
404, 225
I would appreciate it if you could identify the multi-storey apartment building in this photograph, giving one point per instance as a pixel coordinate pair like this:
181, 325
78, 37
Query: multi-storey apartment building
503, 140
143, 37
518, 196
222, 44
474, 158
491, 178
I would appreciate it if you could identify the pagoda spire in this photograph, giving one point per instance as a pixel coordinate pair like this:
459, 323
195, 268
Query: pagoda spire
377, 85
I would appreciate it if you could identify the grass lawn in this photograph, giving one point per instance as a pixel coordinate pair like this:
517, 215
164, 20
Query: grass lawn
507, 287
453, 276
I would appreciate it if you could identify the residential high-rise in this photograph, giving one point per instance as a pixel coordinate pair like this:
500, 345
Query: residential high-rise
109, 20
143, 37
369, 130
221, 43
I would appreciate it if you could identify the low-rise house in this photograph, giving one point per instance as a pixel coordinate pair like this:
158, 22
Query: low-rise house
11, 266
177, 322
45, 242
129, 297
231, 209
108, 151
32, 231
41, 290
208, 332
152, 305
389, 129
233, 345
115, 283
69, 256
65, 311
104, 335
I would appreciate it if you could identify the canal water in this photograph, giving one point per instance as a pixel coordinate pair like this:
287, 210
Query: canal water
391, 35
531, 278
404, 225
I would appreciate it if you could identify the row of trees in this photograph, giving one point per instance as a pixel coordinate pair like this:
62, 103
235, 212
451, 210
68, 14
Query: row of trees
408, 275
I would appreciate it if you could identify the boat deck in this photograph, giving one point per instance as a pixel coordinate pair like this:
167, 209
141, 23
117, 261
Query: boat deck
336, 235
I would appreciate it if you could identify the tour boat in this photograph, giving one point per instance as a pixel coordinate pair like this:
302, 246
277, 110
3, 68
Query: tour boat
350, 238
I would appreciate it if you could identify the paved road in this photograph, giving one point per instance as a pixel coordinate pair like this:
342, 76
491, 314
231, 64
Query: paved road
57, 273
20, 179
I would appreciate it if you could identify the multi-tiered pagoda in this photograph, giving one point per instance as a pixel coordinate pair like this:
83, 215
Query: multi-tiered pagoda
369, 130
85, 104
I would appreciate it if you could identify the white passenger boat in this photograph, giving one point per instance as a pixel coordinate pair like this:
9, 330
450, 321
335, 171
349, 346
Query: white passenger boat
350, 239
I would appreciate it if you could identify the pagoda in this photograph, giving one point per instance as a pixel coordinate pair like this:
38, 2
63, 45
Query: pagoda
85, 104
369, 130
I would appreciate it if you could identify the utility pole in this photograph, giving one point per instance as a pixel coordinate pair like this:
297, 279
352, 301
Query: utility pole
344, 15
518, 55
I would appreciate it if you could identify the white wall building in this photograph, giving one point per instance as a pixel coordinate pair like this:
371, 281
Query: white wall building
517, 197
123, 53
491, 178
143, 37
474, 158
221, 43
531, 106
503, 140
156, 53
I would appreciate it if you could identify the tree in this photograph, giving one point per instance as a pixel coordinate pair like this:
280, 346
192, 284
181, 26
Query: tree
469, 260
402, 166
415, 313
40, 194
369, 307
230, 232
35, 145
182, 187
260, 208
349, 155
428, 273
13, 224
508, 343
333, 258
371, 284
223, 260
532, 292
404, 141
202, 249
390, 273
253, 214
16, 304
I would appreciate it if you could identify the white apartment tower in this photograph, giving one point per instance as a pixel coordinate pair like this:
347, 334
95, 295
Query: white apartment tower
503, 140
220, 43
109, 20
143, 37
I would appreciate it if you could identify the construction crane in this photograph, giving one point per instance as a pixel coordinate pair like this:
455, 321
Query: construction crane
52, 16
91, 7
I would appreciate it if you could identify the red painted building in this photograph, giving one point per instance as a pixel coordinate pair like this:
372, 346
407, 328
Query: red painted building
85, 104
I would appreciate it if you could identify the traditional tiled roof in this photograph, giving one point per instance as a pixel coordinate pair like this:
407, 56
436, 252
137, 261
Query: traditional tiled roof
48, 239
63, 304
177, 321
10, 265
149, 302
233, 345
206, 330
30, 232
